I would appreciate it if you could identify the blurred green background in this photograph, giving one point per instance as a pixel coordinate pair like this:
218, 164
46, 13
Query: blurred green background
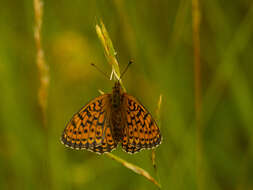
157, 35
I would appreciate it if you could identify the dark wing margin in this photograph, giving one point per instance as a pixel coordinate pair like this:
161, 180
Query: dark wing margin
90, 127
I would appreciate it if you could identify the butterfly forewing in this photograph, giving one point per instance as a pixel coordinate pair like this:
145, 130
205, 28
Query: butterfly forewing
110, 119
90, 127
140, 129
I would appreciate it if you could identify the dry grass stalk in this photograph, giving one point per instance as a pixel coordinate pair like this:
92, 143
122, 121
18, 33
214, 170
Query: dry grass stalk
40, 60
112, 60
44, 83
109, 51
134, 168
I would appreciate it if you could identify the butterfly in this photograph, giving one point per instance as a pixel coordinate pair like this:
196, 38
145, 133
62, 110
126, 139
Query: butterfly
109, 120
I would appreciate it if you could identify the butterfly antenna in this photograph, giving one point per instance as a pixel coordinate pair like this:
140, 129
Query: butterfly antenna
129, 63
92, 64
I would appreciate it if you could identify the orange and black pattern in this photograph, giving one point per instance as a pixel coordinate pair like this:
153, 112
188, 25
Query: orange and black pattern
140, 129
111, 119
90, 127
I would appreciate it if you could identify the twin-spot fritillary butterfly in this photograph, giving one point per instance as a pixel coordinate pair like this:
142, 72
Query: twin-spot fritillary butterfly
111, 119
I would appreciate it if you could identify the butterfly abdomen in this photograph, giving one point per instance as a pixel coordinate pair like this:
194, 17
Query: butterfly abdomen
111, 119
117, 124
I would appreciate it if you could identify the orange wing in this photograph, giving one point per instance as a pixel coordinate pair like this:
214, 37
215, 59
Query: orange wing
90, 127
140, 130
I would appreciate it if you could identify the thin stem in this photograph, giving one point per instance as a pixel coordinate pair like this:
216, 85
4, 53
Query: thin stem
41, 64
158, 110
43, 88
111, 58
134, 168
109, 51
197, 84
153, 153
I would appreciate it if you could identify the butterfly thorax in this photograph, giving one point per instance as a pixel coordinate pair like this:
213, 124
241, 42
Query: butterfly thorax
116, 95
111, 119
117, 120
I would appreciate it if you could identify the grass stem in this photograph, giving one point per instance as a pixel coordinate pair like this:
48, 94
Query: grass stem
40, 60
197, 84
43, 71
110, 54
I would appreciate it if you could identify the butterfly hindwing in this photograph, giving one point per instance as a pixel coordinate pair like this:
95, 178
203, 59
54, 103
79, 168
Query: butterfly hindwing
90, 127
140, 130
